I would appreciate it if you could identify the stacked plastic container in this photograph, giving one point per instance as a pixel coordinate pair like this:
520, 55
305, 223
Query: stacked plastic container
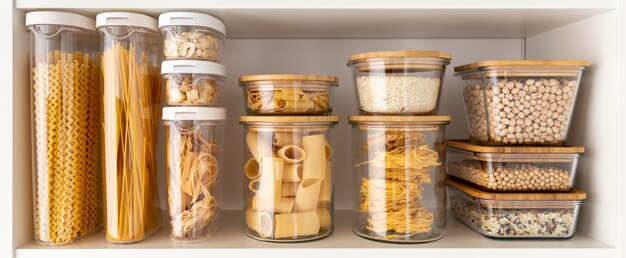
193, 77
288, 183
514, 178
398, 146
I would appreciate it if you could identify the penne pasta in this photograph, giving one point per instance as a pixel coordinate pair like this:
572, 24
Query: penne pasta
260, 222
271, 178
314, 147
285, 205
327, 184
287, 138
291, 154
258, 144
324, 216
292, 172
290, 189
308, 195
296, 224
251, 169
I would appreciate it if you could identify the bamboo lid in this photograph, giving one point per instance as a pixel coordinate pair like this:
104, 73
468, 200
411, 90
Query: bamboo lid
531, 64
573, 195
421, 120
403, 53
289, 119
468, 146
288, 77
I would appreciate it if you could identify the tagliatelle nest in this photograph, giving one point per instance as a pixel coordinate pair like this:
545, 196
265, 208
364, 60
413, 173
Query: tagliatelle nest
389, 195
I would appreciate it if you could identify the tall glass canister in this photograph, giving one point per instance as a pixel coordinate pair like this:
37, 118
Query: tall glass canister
194, 149
399, 177
288, 186
130, 45
65, 126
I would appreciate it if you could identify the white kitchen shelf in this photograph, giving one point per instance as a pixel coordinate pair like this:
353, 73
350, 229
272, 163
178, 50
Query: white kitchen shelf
230, 241
362, 19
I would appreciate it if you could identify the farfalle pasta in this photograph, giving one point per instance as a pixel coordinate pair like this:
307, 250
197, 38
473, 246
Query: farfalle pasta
289, 178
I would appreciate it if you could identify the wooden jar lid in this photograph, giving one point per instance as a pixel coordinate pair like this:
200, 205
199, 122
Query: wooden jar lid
289, 119
403, 53
468, 146
529, 64
288, 77
573, 195
420, 120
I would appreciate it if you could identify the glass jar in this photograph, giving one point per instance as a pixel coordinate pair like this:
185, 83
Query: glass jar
526, 102
516, 215
65, 126
513, 169
399, 177
131, 112
192, 36
192, 83
288, 94
399, 82
288, 185
194, 148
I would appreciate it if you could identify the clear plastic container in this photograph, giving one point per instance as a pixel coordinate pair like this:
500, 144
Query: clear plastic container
399, 177
194, 151
192, 36
288, 94
520, 101
513, 169
399, 82
65, 126
192, 83
131, 111
516, 215
288, 183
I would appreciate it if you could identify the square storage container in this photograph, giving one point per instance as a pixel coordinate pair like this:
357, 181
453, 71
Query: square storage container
399, 178
194, 149
510, 169
288, 182
526, 102
516, 215
192, 36
65, 105
192, 83
399, 82
288, 94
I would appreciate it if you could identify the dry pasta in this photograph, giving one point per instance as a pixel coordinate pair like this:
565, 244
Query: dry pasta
287, 100
400, 164
67, 168
193, 171
131, 110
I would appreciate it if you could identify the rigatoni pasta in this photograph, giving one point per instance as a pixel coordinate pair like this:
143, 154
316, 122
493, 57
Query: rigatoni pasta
294, 182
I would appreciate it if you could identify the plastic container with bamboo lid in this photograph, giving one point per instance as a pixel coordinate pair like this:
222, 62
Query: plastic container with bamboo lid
405, 82
288, 186
516, 215
511, 169
288, 94
192, 82
526, 102
194, 147
192, 36
399, 176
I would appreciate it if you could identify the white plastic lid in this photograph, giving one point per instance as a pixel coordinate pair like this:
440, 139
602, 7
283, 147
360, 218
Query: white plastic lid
191, 19
60, 18
194, 113
126, 19
193, 66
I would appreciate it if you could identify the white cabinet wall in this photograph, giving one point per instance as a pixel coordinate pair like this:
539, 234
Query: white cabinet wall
276, 36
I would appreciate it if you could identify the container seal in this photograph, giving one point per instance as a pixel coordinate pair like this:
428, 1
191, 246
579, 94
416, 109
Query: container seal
398, 54
573, 195
192, 66
288, 77
126, 19
421, 120
194, 113
468, 146
191, 19
60, 18
534, 64
289, 119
